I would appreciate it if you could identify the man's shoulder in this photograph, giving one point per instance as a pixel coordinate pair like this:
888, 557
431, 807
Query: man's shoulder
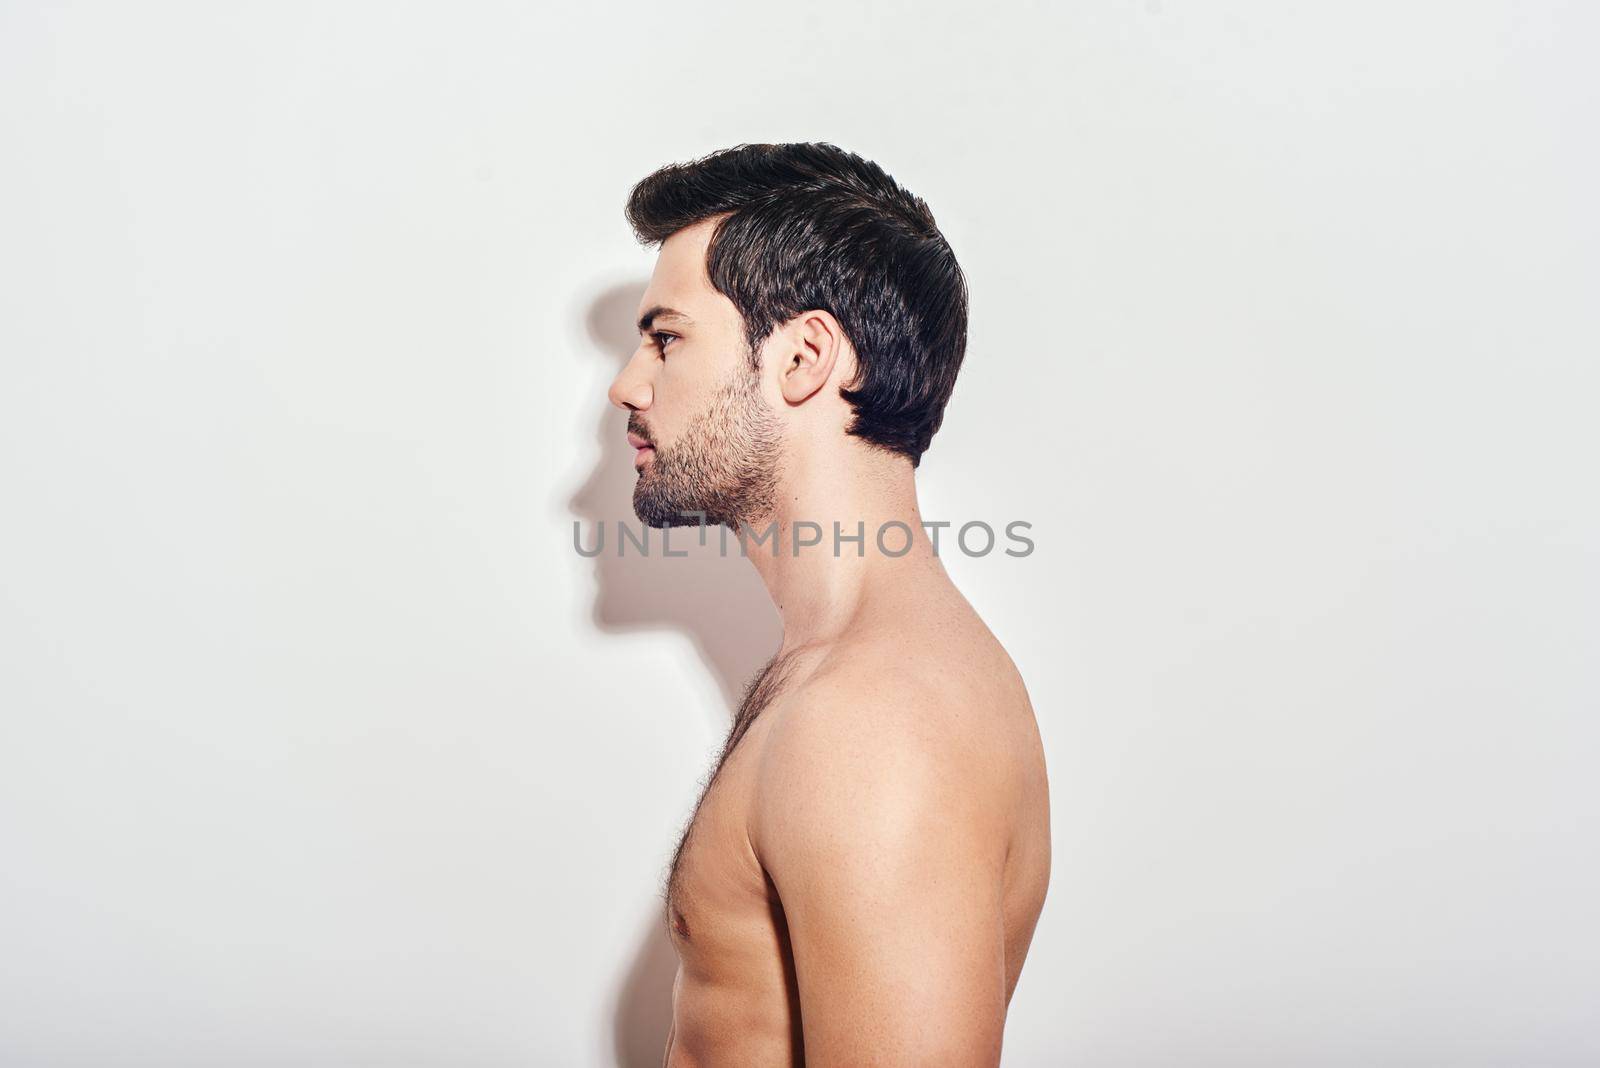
871, 695
881, 812
870, 734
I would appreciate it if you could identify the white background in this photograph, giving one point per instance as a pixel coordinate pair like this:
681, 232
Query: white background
320, 745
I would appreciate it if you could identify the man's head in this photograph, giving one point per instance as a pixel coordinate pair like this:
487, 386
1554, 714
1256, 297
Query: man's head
800, 292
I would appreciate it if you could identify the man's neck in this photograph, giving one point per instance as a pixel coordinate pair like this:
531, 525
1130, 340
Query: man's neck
820, 589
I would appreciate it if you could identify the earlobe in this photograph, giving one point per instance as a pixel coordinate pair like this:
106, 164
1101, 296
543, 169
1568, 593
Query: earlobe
800, 379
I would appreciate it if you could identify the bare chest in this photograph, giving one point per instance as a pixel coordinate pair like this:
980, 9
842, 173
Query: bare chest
718, 900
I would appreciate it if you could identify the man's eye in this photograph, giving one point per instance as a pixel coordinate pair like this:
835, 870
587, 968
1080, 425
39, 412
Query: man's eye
661, 339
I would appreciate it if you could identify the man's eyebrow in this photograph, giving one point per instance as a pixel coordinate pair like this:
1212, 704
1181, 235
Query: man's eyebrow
649, 318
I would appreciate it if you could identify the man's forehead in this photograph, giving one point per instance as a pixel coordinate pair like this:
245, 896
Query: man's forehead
679, 285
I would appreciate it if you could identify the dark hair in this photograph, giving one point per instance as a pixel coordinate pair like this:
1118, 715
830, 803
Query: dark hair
810, 225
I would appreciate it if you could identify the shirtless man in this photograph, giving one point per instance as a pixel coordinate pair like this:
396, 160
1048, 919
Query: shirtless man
861, 877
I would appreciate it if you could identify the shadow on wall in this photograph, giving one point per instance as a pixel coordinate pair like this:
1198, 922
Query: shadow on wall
718, 602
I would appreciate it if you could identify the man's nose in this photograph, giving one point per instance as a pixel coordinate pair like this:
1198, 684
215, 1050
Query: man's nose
630, 390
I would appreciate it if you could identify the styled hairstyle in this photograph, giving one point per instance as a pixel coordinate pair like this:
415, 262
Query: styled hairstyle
812, 226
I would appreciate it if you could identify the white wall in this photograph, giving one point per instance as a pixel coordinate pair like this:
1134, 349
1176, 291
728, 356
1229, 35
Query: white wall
321, 746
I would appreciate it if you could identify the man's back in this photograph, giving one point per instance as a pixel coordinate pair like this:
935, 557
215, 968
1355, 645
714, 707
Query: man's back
874, 849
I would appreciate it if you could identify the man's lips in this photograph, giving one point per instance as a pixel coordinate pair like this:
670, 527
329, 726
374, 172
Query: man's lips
642, 450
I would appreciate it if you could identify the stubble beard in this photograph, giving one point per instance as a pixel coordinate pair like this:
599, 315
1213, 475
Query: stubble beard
725, 464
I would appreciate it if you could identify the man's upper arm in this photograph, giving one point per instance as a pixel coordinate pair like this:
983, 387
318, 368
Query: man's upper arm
887, 854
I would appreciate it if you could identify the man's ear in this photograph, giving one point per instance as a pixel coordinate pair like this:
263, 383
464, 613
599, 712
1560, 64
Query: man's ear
813, 343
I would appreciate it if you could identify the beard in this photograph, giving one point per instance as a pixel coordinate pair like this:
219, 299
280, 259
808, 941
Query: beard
725, 464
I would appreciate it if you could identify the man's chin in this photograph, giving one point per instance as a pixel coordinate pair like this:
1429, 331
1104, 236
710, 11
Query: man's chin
654, 512
651, 519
